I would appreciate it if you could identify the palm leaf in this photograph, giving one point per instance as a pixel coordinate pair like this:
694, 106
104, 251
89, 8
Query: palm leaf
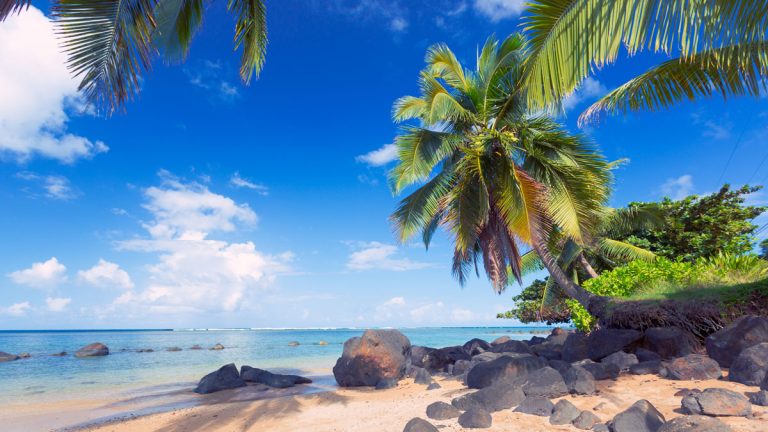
109, 44
418, 209
177, 23
251, 34
8, 7
442, 62
620, 250
419, 150
530, 263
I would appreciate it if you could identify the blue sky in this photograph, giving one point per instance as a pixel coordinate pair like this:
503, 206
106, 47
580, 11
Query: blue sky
211, 204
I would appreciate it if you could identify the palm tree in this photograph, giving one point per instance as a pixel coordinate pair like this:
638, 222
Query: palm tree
491, 173
722, 48
110, 43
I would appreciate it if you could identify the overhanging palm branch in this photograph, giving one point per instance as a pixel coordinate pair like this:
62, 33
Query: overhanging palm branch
8, 7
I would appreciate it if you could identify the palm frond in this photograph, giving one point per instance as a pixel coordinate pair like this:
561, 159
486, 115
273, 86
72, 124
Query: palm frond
620, 250
442, 63
109, 44
418, 209
251, 34
733, 71
419, 151
8, 7
177, 23
409, 107
530, 263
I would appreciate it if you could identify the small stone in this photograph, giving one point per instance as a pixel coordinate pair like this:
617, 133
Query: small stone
434, 386
642, 416
536, 405
293, 343
475, 418
419, 425
322, 343
442, 411
196, 347
586, 420
93, 350
217, 347
25, 355
694, 423
59, 354
564, 412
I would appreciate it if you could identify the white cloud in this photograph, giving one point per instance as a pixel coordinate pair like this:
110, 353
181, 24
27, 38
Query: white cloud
379, 157
53, 186
427, 312
590, 88
38, 93
191, 211
463, 315
678, 188
398, 24
497, 10
16, 309
57, 304
240, 182
380, 256
47, 274
719, 132
106, 274
395, 301
366, 10
209, 75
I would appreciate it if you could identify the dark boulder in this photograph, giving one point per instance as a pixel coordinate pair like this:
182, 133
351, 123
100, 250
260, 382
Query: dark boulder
465, 402
548, 351
419, 425
5, 357
725, 345
564, 413
386, 383
419, 355
261, 376
579, 381
439, 359
475, 418
600, 427
694, 423
476, 346
536, 340
224, 378
640, 417
503, 368
442, 411
500, 340
422, 376
558, 336
511, 346
750, 366
717, 402
691, 367
494, 398
575, 347
621, 359
536, 405
486, 356
670, 342
644, 355
545, 382
603, 342
93, 350
600, 371
759, 398
586, 420
375, 356
645, 368
460, 367
559, 366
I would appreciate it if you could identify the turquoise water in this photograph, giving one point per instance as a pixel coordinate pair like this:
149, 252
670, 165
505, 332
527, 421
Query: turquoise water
44, 378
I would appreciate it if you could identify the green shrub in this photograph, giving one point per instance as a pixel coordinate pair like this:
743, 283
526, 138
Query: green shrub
580, 318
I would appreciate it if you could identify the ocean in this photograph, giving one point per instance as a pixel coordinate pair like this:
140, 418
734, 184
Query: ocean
129, 374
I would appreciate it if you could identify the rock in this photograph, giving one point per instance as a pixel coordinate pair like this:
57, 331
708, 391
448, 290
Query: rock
548, 351
563, 413
375, 356
476, 346
621, 359
558, 336
599, 371
511, 346
419, 355
503, 368
496, 397
645, 368
322, 343
586, 420
670, 342
759, 398
261, 376
536, 405
687, 392
93, 350
692, 367
5, 357
575, 347
58, 354
536, 340
196, 347
579, 381
603, 342
764, 385
422, 376
174, 349
465, 402
439, 359
545, 382
386, 383
145, 350
750, 366
644, 355
25, 355
460, 367
224, 378
560, 366
293, 343
725, 345
442, 411
640, 417
419, 425
717, 402
475, 418
217, 347
486, 356
694, 423
500, 340
434, 386
600, 427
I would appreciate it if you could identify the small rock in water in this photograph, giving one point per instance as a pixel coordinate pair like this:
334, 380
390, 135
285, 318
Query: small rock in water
563, 413
586, 420
59, 354
174, 349
694, 423
419, 425
217, 347
293, 343
4, 357
475, 418
25, 355
642, 416
195, 347
442, 411
145, 350
225, 378
536, 405
322, 343
93, 350
717, 402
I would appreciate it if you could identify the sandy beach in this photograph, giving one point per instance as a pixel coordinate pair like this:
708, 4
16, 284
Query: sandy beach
389, 410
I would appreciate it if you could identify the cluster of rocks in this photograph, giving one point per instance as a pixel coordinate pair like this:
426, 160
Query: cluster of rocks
98, 349
526, 375
228, 377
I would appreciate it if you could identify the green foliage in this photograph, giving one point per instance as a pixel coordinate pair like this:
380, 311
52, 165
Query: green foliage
697, 227
580, 318
528, 306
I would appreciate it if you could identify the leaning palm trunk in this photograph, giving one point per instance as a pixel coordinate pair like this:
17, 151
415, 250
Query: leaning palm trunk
586, 266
